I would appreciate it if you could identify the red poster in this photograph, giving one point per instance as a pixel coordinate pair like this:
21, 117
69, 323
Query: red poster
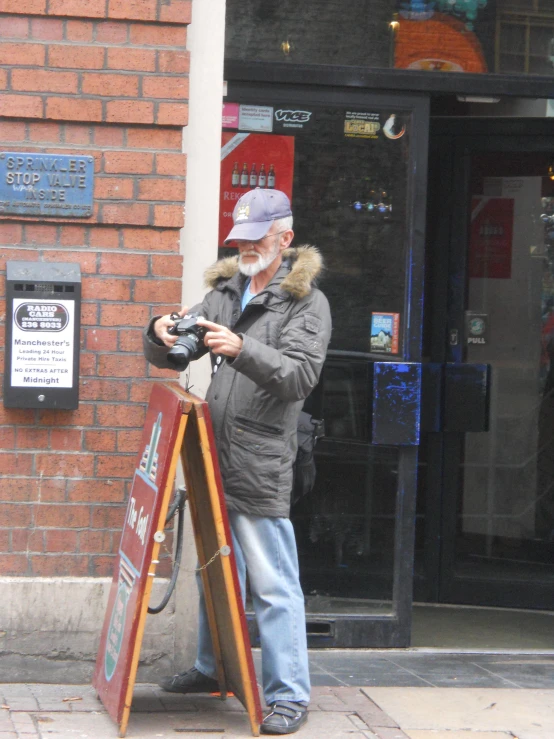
230, 117
492, 227
250, 160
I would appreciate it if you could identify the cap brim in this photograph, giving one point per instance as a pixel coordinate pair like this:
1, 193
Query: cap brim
248, 231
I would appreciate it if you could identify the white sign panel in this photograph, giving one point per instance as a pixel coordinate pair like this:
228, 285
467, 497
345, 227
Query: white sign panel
256, 118
42, 343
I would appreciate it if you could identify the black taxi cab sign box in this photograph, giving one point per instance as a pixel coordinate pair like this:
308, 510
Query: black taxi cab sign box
42, 335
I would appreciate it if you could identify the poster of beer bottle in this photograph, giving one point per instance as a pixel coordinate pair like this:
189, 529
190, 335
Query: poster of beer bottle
235, 176
244, 176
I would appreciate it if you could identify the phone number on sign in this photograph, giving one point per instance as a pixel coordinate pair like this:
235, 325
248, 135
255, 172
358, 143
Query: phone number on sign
41, 324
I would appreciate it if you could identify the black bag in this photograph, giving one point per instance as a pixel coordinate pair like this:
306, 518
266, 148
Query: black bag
309, 431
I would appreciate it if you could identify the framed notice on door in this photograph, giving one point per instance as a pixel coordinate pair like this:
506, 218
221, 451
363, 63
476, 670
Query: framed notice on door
491, 238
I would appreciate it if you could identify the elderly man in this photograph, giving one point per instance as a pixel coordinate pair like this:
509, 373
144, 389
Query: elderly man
268, 328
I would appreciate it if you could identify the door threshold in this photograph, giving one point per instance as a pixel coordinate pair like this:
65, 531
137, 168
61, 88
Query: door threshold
482, 629
473, 607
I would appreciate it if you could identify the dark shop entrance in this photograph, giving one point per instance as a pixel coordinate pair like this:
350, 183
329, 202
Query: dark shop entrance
485, 521
435, 476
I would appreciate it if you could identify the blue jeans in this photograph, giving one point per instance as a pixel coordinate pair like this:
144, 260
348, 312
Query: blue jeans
266, 549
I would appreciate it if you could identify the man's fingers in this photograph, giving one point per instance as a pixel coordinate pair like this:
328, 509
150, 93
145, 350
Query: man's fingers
215, 334
209, 325
221, 339
161, 329
217, 344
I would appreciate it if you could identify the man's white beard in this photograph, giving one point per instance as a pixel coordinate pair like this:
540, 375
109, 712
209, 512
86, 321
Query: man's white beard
251, 269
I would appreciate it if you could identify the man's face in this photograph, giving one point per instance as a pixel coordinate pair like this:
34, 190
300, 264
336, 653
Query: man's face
255, 256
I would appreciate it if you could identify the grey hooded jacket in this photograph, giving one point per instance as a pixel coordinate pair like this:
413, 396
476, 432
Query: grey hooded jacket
255, 399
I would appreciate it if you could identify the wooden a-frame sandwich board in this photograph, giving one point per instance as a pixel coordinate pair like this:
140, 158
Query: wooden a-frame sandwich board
177, 425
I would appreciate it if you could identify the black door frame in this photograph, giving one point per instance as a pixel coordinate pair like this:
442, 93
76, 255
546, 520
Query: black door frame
453, 141
289, 83
391, 630
389, 80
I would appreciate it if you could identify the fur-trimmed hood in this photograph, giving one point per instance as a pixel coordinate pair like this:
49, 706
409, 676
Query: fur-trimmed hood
306, 264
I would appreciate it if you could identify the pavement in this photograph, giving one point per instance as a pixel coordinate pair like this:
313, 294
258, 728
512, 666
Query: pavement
483, 700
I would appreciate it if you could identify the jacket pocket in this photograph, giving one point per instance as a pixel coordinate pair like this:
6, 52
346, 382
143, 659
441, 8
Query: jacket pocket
255, 457
254, 425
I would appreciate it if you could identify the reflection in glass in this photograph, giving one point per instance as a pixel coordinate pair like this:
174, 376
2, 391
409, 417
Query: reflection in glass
339, 165
477, 36
506, 516
352, 198
345, 526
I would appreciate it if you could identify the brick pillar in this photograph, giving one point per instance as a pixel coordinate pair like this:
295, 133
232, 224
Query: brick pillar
106, 78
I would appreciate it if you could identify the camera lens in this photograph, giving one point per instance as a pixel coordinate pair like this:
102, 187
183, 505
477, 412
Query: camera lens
182, 351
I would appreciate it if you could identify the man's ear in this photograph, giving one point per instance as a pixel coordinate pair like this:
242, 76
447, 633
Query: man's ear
286, 239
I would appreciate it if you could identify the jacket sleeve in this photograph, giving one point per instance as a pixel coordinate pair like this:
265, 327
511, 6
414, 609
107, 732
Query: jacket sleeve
155, 351
291, 371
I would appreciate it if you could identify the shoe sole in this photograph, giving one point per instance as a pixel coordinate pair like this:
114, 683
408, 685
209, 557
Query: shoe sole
185, 691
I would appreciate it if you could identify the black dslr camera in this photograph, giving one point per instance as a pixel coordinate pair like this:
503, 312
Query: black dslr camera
189, 343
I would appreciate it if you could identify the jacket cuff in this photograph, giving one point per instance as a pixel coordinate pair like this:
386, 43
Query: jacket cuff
150, 332
237, 362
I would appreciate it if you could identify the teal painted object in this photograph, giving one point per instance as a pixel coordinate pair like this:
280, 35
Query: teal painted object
468, 9
423, 9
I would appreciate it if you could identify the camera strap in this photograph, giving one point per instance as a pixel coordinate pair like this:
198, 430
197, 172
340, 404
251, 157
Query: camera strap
252, 315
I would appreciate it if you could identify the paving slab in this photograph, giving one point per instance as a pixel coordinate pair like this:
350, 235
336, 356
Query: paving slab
523, 672
450, 672
476, 709
220, 726
5, 720
433, 668
470, 734
389, 733
74, 712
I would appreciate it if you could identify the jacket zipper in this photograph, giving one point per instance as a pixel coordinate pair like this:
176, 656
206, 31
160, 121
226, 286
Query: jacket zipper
248, 309
224, 419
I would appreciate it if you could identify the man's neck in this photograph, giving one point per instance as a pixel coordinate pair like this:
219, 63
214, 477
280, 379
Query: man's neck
262, 279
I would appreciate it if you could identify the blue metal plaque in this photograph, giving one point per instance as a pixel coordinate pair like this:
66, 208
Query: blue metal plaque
46, 184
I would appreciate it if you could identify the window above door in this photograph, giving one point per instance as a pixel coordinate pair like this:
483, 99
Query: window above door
482, 37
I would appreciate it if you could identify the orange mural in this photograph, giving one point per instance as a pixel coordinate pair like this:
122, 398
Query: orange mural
440, 43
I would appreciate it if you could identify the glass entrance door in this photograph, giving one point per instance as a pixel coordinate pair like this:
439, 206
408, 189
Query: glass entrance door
497, 489
355, 163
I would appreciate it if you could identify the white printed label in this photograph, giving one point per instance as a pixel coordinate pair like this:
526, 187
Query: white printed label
42, 343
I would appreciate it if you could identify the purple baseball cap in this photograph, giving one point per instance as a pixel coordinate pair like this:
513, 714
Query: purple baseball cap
255, 211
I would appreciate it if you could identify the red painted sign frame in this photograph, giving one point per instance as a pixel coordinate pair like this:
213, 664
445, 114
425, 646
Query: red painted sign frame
177, 424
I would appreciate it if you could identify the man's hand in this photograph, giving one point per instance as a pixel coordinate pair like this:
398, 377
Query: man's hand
162, 324
220, 339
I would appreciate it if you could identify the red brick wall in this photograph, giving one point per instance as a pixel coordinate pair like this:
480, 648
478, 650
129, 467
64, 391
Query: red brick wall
106, 78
